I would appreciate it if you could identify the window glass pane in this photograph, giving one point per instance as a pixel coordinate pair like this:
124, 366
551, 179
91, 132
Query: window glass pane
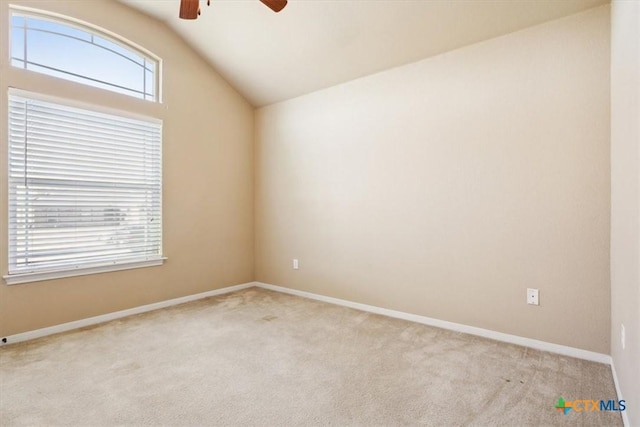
56, 28
115, 48
17, 43
67, 52
149, 83
17, 21
82, 80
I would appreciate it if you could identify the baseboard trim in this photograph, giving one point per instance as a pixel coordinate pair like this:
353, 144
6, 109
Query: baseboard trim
625, 416
64, 327
472, 330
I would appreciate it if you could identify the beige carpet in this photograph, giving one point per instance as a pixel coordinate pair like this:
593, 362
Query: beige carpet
257, 357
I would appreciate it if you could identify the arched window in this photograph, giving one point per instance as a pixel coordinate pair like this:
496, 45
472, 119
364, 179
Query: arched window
81, 54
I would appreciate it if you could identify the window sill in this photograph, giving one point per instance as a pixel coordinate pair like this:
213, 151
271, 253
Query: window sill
14, 279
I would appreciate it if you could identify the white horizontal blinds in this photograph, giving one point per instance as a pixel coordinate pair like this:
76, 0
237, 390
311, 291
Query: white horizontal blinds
85, 187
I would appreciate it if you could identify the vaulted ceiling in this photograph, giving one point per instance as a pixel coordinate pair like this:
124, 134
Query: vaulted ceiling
314, 44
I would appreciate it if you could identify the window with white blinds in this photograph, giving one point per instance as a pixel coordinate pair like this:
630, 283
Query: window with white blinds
85, 187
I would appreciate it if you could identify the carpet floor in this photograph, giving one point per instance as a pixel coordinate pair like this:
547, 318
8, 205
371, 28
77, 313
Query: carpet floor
263, 358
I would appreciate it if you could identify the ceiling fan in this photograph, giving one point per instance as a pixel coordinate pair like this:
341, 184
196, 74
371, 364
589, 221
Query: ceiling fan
190, 9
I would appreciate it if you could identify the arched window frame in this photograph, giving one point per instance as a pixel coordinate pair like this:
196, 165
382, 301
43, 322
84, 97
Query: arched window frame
96, 31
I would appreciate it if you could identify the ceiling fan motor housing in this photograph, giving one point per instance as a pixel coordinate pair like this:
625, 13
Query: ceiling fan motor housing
190, 9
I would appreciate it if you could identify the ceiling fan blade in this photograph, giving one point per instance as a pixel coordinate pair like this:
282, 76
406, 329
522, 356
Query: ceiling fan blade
189, 9
275, 5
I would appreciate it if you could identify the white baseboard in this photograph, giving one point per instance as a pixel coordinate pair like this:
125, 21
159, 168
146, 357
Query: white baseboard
38, 333
498, 336
472, 330
625, 416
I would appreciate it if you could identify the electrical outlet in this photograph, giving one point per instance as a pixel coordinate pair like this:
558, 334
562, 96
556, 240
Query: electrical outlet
623, 337
295, 264
532, 296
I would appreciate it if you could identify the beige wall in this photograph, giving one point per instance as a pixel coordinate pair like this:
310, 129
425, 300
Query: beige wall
447, 187
625, 199
208, 179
